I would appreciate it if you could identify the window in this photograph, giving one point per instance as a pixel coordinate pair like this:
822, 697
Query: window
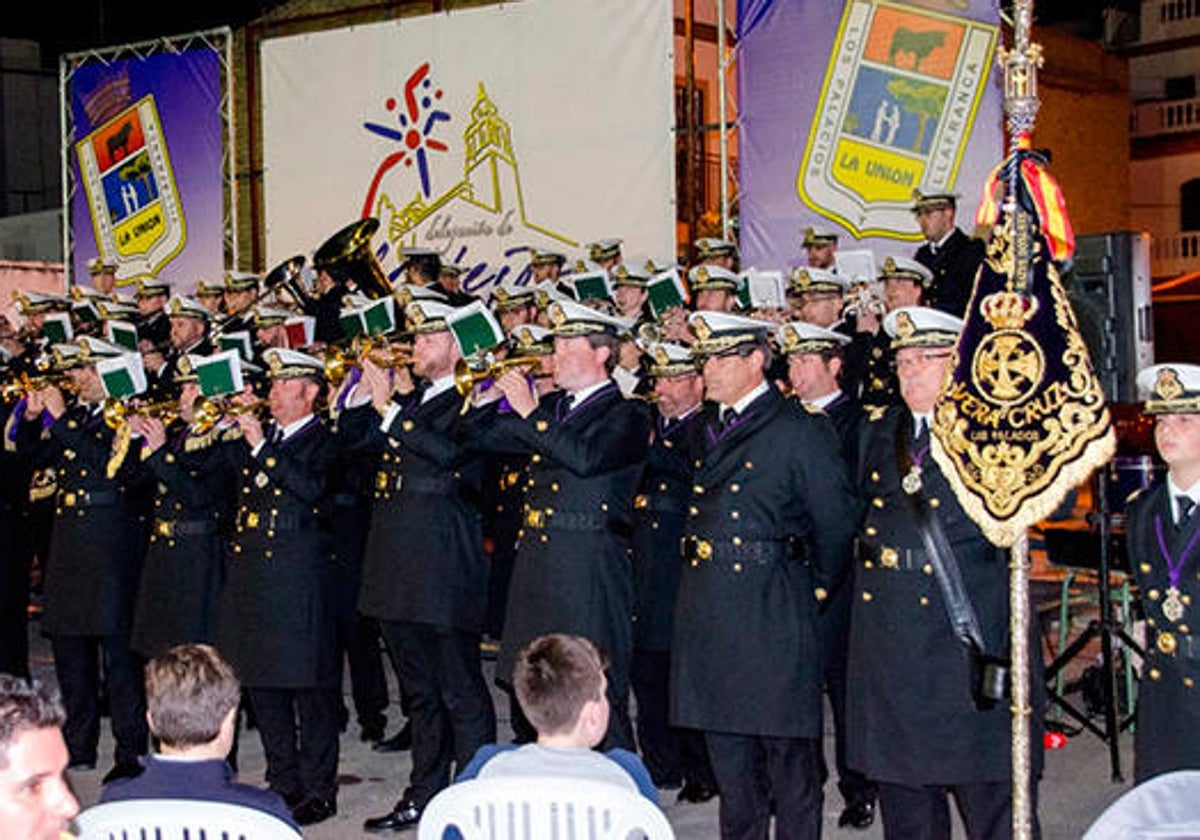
1189, 205
1180, 87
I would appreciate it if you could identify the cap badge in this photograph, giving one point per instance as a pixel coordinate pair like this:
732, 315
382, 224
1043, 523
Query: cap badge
1167, 386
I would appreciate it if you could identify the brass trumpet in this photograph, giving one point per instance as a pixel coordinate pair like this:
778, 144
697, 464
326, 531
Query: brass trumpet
116, 412
209, 411
466, 377
25, 384
338, 362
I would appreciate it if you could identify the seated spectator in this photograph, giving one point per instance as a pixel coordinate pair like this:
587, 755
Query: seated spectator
35, 801
559, 681
191, 705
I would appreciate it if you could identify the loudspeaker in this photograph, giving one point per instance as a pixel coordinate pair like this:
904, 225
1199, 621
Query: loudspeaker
1108, 284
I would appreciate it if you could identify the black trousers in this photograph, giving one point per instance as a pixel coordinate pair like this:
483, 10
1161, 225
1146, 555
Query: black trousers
758, 773
923, 813
833, 631
77, 666
15, 562
299, 732
358, 637
673, 755
449, 703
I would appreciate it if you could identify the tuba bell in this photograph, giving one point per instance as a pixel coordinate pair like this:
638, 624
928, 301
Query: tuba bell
347, 255
286, 276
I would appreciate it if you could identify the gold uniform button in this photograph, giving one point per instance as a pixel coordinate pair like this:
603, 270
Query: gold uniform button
407, 425
749, 465
924, 601
641, 501
697, 489
1155, 674
535, 458
866, 596
1152, 594
867, 564
1188, 682
662, 487
1183, 628
871, 531
271, 462
1167, 643
877, 502
541, 425
735, 488
553, 486
927, 568
820, 593
734, 515
874, 475
169, 458
693, 510
935, 502
737, 541
737, 568
1145, 568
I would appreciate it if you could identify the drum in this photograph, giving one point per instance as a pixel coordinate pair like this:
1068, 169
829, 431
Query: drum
1126, 475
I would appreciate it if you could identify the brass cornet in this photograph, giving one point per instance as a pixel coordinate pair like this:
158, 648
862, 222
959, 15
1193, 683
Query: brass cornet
338, 362
466, 377
116, 412
209, 411
24, 384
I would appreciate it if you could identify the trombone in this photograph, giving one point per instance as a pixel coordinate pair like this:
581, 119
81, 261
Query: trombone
209, 411
116, 412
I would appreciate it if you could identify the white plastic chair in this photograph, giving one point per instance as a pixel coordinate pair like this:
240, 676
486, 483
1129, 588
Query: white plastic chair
1166, 806
180, 819
515, 808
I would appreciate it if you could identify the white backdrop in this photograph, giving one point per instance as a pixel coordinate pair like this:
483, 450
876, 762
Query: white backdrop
583, 89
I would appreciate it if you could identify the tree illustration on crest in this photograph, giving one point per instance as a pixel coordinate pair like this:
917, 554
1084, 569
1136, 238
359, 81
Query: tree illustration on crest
921, 99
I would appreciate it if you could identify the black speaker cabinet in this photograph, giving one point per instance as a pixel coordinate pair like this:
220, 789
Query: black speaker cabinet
1108, 284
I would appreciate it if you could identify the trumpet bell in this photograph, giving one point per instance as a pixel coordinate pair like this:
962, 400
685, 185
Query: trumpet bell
347, 255
287, 276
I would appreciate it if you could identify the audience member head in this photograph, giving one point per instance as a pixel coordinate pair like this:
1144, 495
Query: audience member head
35, 801
192, 697
560, 684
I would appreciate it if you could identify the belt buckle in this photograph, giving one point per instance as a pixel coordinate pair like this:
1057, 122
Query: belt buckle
164, 528
702, 548
69, 499
381, 480
641, 501
889, 558
535, 518
252, 519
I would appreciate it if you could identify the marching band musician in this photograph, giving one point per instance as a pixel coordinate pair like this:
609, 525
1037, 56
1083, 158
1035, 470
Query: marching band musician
815, 360
819, 294
820, 247
104, 276
923, 728
504, 482
98, 540
629, 291
1162, 535
196, 481
424, 574
275, 616
951, 256
870, 367
154, 325
241, 292
514, 305
605, 253
714, 288
718, 252
210, 296
675, 757
767, 533
587, 445
545, 265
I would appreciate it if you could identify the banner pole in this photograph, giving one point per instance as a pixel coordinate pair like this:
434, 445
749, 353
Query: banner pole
1020, 106
721, 68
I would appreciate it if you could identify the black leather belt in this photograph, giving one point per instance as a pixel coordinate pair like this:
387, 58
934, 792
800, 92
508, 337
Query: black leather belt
172, 528
386, 482
88, 498
251, 520
754, 552
1178, 645
912, 559
345, 500
646, 503
549, 519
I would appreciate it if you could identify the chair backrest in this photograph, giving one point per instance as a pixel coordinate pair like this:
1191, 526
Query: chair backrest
180, 819
1161, 807
513, 807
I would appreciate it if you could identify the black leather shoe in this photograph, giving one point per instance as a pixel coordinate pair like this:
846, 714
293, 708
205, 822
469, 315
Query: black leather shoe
123, 770
399, 742
696, 793
858, 815
406, 814
314, 810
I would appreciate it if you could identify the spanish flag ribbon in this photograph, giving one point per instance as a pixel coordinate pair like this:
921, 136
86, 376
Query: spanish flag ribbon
1037, 193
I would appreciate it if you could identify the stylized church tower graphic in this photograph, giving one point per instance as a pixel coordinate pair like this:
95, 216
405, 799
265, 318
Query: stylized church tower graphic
491, 176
